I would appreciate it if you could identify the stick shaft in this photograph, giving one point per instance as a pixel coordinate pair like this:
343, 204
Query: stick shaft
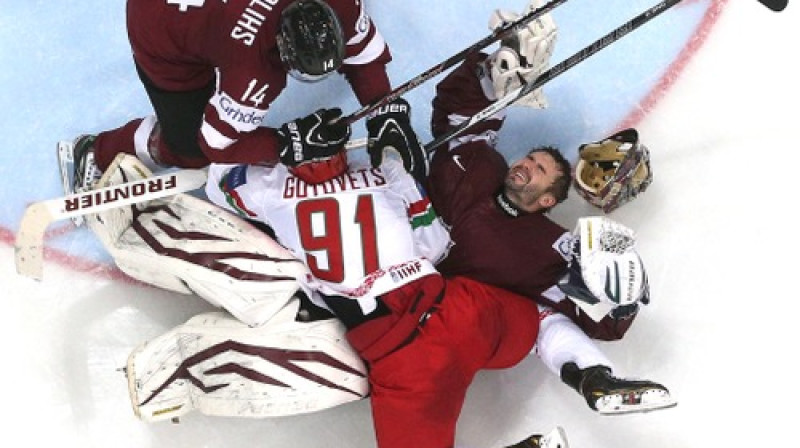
553, 72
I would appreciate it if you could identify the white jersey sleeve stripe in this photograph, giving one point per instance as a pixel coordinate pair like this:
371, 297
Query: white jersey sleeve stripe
214, 138
371, 52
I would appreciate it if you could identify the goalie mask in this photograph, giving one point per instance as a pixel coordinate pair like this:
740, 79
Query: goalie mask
606, 271
310, 40
612, 172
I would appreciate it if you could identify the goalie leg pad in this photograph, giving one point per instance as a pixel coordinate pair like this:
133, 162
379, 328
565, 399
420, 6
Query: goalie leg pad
188, 245
218, 366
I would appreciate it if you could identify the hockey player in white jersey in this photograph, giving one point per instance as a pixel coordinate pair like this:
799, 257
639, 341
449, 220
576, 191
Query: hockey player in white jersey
370, 238
362, 243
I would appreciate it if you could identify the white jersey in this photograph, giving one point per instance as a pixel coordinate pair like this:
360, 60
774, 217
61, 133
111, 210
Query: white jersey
366, 232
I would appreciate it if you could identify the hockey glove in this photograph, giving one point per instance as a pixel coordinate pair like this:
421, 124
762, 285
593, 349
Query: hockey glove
318, 136
389, 127
522, 57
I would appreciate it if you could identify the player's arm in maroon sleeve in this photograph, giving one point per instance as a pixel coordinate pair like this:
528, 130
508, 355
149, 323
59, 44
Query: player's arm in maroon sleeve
366, 53
460, 95
231, 130
467, 167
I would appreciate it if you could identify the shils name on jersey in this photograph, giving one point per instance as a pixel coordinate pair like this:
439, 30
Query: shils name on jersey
294, 188
251, 19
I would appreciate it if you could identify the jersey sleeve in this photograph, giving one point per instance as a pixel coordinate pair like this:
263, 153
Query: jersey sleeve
459, 96
241, 189
431, 238
366, 53
231, 130
469, 166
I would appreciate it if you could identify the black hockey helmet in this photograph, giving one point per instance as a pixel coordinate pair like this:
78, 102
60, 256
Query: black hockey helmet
310, 40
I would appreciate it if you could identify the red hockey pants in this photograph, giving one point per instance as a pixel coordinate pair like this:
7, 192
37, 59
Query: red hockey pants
419, 389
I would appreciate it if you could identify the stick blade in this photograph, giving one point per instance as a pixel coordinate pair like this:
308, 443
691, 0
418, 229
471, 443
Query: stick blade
29, 243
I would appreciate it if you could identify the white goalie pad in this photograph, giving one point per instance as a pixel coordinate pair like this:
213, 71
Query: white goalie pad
188, 245
218, 366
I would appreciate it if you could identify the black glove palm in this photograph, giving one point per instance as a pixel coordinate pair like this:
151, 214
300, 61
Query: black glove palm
389, 127
315, 137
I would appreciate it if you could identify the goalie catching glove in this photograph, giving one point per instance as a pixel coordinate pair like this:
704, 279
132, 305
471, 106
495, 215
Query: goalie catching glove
606, 275
389, 128
312, 147
522, 57
614, 171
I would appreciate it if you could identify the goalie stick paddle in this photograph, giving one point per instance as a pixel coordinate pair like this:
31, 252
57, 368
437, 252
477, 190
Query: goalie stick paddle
28, 247
553, 72
499, 33
775, 5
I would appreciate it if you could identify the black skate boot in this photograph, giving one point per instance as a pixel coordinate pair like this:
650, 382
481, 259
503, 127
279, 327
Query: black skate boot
78, 170
557, 438
608, 394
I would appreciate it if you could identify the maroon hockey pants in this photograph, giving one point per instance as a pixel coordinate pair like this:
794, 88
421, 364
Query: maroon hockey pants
419, 389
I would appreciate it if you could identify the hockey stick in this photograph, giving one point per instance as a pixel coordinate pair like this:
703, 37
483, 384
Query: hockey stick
553, 72
499, 33
29, 243
775, 5
28, 247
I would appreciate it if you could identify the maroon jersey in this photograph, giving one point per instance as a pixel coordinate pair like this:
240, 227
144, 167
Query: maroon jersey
183, 44
526, 253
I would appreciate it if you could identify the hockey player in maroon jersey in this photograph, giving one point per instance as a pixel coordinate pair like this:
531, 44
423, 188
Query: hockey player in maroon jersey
211, 70
502, 235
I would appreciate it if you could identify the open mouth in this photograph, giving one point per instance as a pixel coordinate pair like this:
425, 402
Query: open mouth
519, 175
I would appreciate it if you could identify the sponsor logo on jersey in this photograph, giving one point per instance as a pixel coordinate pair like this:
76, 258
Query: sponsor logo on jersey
506, 205
457, 160
240, 117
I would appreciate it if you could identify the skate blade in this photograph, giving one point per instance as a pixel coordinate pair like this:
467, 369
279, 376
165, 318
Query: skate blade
66, 165
635, 401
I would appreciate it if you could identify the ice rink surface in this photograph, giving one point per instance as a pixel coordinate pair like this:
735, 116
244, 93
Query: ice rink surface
711, 86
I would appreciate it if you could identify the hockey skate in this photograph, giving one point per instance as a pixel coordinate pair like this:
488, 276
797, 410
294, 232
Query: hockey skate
608, 394
76, 165
557, 438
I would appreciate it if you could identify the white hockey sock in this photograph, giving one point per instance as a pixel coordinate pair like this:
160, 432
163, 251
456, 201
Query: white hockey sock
561, 341
141, 142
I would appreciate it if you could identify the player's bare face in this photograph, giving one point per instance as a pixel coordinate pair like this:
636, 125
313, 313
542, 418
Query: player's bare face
529, 178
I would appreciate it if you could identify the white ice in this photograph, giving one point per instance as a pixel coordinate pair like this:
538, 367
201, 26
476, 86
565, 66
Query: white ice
719, 332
